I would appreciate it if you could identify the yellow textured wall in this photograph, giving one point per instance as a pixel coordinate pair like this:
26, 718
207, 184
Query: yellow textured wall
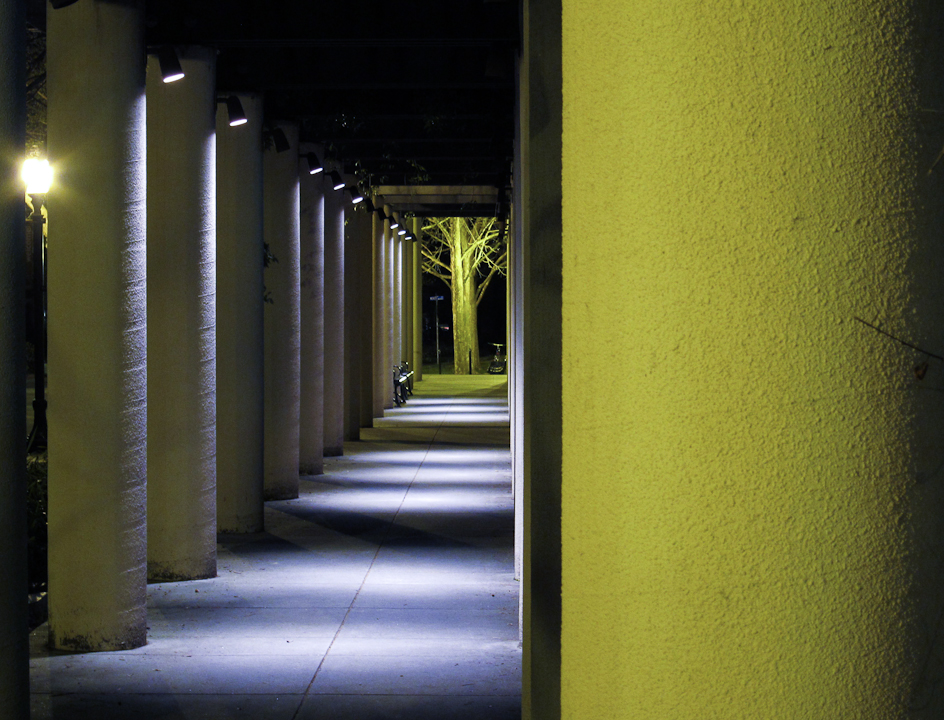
743, 462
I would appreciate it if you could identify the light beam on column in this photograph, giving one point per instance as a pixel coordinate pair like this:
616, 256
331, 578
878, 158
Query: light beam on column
399, 244
312, 237
335, 204
282, 338
390, 236
181, 301
379, 229
239, 320
97, 327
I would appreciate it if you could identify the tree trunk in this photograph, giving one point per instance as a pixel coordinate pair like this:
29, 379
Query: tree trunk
465, 334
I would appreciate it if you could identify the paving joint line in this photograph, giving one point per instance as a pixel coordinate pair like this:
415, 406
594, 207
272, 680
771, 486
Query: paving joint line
380, 545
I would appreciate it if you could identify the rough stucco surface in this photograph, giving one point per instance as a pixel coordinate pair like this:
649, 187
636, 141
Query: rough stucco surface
97, 327
752, 479
333, 427
282, 339
182, 320
377, 315
239, 321
311, 304
358, 343
386, 310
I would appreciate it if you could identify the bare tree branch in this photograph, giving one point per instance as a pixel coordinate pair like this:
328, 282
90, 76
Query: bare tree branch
434, 273
496, 269
434, 260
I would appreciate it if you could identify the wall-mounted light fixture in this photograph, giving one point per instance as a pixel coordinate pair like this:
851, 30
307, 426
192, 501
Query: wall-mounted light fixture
280, 139
336, 180
356, 195
237, 116
315, 165
171, 71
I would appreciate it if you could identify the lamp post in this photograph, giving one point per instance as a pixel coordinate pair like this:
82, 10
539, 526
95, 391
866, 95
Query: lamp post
38, 176
436, 299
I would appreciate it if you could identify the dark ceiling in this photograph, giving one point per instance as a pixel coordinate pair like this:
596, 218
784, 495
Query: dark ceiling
402, 93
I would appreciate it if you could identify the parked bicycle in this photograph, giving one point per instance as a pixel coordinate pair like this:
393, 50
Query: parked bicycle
497, 365
402, 383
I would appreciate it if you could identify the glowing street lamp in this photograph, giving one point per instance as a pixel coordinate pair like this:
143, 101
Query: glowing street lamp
37, 174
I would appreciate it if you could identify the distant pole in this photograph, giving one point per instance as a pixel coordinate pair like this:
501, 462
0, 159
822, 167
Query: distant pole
417, 302
37, 436
436, 299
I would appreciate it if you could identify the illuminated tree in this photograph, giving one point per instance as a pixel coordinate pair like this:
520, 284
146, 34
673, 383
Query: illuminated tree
466, 254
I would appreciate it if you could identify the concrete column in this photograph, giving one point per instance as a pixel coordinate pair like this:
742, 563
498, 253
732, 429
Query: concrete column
406, 293
417, 304
389, 304
239, 321
540, 105
335, 203
181, 319
515, 357
378, 284
752, 479
311, 422
397, 309
516, 350
355, 354
97, 327
14, 650
282, 340
365, 303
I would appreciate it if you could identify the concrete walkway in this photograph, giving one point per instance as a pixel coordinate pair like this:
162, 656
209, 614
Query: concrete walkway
384, 591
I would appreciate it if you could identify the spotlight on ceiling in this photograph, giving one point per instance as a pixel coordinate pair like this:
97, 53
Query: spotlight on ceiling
171, 71
394, 223
237, 116
356, 195
314, 164
401, 231
336, 179
280, 140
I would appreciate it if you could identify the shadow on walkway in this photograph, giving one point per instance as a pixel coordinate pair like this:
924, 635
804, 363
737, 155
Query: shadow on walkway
384, 591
